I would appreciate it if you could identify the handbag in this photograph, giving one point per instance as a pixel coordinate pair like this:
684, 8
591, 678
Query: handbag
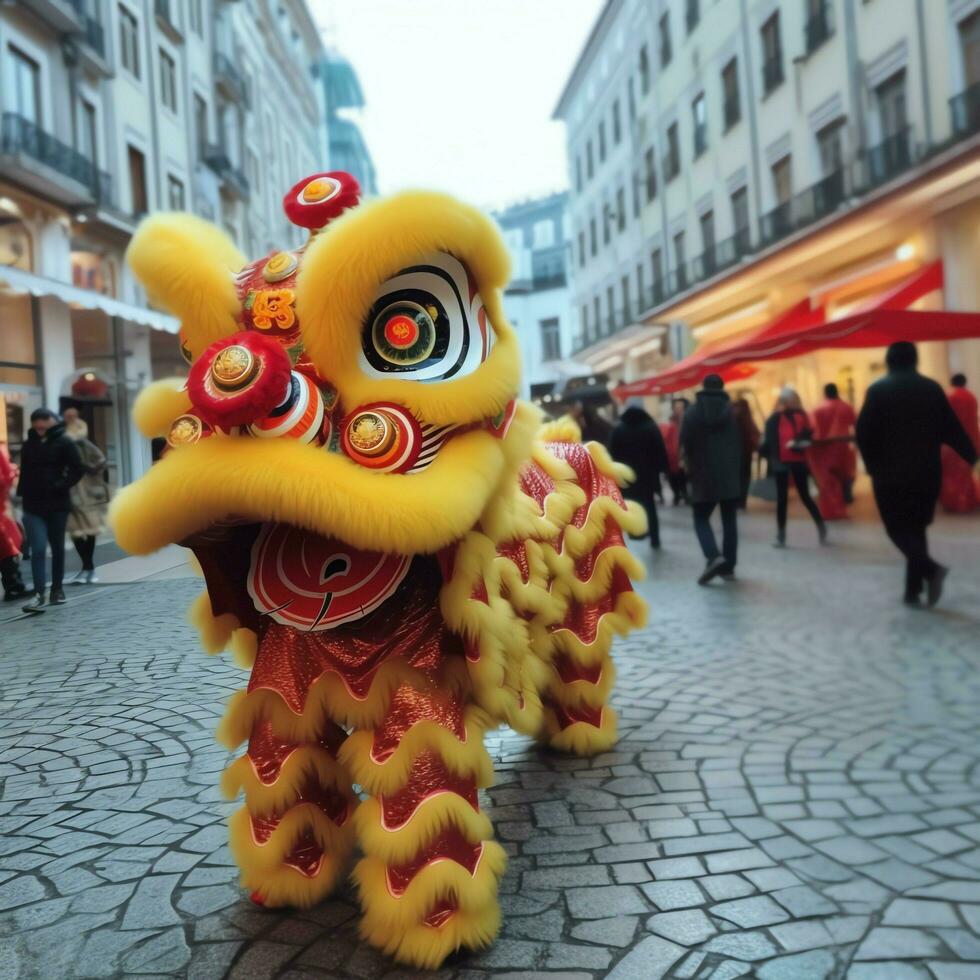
763, 487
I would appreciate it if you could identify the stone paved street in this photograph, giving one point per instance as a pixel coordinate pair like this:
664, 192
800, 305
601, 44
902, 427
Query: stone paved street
796, 791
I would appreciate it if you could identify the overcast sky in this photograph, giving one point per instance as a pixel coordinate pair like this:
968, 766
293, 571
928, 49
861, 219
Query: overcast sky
460, 92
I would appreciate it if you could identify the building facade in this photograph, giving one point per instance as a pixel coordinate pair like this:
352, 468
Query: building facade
344, 99
112, 109
730, 158
538, 299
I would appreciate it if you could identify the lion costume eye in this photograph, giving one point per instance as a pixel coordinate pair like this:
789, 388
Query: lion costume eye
427, 323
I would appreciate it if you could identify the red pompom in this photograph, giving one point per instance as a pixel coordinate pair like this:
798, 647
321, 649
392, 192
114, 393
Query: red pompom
239, 380
317, 200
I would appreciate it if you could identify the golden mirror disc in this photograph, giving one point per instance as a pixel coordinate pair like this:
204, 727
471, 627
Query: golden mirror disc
279, 267
371, 433
318, 190
233, 368
185, 430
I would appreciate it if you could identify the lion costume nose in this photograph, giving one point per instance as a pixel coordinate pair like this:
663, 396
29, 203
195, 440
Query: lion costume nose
239, 380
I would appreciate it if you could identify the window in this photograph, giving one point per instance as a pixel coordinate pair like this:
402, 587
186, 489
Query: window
631, 98
707, 223
578, 173
666, 51
129, 41
88, 131
550, 339
585, 322
672, 162
636, 195
700, 125
589, 169
830, 142
137, 182
772, 54
680, 260
168, 81
201, 126
621, 209
602, 141
657, 271
616, 126
782, 179
644, 71
26, 86
693, 14
196, 17
606, 215
650, 173
610, 308
818, 24
581, 248
593, 248
624, 286
729, 85
740, 218
969, 30
597, 317
175, 193
891, 105
543, 233
639, 287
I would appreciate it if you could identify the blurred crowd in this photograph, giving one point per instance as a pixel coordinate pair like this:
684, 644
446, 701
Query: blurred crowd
919, 446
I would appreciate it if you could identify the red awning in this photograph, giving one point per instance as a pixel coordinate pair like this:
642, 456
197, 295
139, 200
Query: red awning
710, 357
876, 323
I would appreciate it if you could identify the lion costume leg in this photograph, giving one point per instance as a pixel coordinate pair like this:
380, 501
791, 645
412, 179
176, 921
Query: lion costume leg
577, 716
428, 881
293, 838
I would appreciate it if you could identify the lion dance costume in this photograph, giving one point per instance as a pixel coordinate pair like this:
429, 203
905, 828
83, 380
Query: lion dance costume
397, 548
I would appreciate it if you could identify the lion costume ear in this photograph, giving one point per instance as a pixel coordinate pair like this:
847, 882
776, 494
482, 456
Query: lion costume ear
187, 267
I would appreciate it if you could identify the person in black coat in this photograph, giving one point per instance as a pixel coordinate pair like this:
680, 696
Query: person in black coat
712, 448
905, 421
49, 467
637, 441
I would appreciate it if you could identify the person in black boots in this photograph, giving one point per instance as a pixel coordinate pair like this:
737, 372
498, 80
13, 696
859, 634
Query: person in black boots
712, 448
49, 467
788, 435
636, 441
905, 421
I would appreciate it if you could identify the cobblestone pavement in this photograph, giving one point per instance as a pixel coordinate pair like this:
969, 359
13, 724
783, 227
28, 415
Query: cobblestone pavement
796, 793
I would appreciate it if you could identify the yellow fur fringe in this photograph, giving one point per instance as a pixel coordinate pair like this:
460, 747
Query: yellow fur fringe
158, 404
581, 738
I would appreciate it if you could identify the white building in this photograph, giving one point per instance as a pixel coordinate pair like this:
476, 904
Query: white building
731, 158
538, 299
112, 109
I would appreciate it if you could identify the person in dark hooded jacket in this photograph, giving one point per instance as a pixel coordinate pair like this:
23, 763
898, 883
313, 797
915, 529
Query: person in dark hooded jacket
637, 441
712, 448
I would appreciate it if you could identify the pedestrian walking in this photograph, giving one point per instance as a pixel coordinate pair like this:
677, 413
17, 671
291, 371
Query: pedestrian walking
49, 467
593, 426
905, 420
636, 441
10, 535
712, 451
832, 457
788, 435
671, 431
89, 498
749, 437
960, 494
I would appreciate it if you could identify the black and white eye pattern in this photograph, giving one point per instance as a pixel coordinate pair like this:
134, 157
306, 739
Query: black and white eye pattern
427, 323
433, 439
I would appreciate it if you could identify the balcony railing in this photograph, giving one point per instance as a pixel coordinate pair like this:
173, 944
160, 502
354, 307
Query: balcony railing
819, 28
772, 73
19, 135
965, 108
891, 157
807, 207
228, 77
733, 112
721, 255
232, 179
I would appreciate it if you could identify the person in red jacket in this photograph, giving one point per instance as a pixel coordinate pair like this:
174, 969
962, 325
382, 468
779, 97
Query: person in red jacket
10, 536
832, 458
671, 431
959, 493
